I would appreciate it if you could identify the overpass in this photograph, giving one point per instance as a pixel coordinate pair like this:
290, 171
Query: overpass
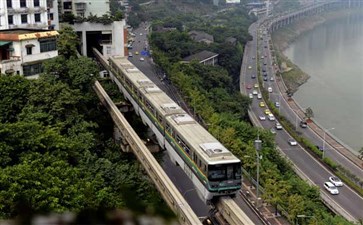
310, 10
225, 205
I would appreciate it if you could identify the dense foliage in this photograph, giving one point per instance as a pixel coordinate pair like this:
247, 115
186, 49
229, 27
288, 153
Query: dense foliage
211, 92
56, 147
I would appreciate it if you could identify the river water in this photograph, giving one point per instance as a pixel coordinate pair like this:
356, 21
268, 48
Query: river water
332, 54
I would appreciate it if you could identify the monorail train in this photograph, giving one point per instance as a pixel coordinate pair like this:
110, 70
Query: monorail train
213, 169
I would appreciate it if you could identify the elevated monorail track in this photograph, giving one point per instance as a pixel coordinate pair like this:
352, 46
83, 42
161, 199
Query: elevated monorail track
225, 205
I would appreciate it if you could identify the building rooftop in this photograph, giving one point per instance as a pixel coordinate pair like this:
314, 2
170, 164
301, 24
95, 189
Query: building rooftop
201, 56
25, 34
200, 36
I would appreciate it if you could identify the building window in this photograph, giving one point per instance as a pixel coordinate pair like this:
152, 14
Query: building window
22, 3
36, 3
9, 3
37, 17
48, 45
51, 16
24, 18
50, 3
29, 50
10, 20
34, 69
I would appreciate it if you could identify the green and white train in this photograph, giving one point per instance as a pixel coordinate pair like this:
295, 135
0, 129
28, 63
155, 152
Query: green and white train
213, 169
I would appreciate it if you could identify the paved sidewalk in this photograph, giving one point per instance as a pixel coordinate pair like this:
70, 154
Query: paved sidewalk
248, 193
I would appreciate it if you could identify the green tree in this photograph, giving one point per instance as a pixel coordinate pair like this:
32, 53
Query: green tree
67, 42
13, 97
309, 113
276, 191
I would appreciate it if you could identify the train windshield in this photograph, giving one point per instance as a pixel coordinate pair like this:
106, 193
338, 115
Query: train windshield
224, 172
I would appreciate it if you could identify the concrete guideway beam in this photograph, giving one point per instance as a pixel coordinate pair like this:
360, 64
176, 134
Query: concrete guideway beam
232, 213
165, 186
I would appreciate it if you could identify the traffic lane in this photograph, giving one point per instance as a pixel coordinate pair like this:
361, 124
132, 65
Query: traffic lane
185, 187
347, 198
317, 174
331, 152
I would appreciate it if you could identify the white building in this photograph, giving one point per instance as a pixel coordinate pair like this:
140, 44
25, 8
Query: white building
110, 39
23, 51
28, 14
84, 8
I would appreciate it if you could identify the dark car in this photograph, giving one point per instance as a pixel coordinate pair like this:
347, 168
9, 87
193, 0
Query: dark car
253, 76
303, 124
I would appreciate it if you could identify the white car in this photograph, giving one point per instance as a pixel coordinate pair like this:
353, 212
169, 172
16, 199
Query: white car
272, 78
331, 188
142, 59
292, 142
269, 89
277, 104
271, 117
254, 92
259, 96
278, 126
273, 131
336, 181
262, 117
250, 95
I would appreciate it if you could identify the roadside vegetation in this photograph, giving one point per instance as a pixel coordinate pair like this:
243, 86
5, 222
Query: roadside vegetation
212, 93
56, 146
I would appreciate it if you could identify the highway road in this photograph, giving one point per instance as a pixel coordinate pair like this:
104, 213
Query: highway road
175, 173
349, 200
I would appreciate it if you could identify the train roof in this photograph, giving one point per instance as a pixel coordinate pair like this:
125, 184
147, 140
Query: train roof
196, 136
165, 105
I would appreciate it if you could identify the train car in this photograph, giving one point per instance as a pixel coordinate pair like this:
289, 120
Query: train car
213, 169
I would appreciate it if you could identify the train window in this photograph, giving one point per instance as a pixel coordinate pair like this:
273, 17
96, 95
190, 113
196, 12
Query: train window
230, 172
216, 172
178, 139
128, 82
195, 157
139, 95
167, 127
160, 118
237, 171
149, 106
204, 168
133, 88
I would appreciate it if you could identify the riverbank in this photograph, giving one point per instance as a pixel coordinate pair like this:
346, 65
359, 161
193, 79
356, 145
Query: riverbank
292, 75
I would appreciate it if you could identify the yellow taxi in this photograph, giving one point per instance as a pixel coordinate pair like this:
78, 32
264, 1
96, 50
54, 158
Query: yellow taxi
256, 85
136, 53
267, 111
262, 104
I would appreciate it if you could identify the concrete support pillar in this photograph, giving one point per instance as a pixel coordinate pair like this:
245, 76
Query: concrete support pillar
84, 43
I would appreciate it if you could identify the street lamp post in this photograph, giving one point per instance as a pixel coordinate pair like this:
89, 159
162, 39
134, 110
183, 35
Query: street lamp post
258, 145
305, 216
324, 140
